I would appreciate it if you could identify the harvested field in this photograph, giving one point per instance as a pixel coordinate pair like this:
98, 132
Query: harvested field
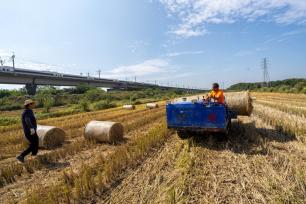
262, 161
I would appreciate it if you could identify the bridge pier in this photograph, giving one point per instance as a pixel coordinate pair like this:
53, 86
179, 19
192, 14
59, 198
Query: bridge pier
31, 89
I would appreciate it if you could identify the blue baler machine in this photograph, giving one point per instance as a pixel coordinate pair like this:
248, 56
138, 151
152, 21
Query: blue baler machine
198, 116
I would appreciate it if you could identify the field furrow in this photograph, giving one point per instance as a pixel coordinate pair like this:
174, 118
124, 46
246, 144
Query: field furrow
92, 179
287, 123
256, 165
73, 129
285, 107
263, 160
10, 168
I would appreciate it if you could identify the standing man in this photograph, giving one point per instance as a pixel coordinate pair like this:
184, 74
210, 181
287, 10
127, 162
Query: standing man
216, 94
29, 127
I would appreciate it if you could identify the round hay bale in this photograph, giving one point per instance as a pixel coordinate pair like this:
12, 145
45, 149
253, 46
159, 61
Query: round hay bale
104, 131
49, 136
239, 102
151, 105
128, 107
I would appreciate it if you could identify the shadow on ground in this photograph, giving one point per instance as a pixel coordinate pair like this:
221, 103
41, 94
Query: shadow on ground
244, 138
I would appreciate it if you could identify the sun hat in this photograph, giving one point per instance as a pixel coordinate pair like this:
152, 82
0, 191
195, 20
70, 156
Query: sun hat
28, 102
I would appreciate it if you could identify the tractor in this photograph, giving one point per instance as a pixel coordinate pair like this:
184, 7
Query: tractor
200, 116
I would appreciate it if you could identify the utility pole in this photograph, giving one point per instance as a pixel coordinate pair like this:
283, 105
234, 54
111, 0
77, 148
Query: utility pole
1, 62
13, 60
266, 78
99, 72
135, 78
88, 74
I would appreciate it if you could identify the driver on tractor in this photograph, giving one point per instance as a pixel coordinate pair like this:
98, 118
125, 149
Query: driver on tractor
216, 95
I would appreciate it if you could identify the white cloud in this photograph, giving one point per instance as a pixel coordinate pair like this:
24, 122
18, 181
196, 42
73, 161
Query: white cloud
194, 14
187, 31
148, 67
152, 69
175, 54
159, 69
25, 63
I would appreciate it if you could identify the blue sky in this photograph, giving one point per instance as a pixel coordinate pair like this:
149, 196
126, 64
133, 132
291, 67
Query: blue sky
184, 42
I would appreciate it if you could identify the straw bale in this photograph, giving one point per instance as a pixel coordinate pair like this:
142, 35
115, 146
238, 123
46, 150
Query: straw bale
104, 131
49, 136
128, 107
239, 102
152, 105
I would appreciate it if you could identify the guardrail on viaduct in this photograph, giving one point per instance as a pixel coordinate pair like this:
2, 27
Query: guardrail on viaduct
32, 78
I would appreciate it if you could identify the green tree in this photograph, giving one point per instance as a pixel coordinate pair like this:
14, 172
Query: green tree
94, 94
84, 105
300, 86
45, 98
4, 93
48, 103
103, 105
82, 88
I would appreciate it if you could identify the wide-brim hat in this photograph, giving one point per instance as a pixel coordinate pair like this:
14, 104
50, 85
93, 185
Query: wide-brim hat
28, 101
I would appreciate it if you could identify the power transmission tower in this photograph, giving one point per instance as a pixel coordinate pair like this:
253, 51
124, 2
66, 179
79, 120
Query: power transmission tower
266, 78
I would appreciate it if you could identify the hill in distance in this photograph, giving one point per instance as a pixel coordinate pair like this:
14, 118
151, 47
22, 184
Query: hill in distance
295, 85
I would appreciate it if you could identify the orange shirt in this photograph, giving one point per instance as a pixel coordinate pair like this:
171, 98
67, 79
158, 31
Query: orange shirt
218, 94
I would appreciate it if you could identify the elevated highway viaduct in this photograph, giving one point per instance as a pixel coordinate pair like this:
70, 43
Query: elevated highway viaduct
32, 78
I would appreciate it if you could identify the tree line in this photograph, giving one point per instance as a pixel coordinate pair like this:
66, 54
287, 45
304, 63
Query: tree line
296, 85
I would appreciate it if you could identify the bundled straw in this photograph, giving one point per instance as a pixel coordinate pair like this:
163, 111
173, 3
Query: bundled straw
49, 136
128, 107
151, 105
104, 131
239, 102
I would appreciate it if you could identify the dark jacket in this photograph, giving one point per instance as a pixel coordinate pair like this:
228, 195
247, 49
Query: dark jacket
28, 121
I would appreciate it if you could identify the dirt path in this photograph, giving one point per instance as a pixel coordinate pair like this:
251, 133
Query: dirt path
256, 165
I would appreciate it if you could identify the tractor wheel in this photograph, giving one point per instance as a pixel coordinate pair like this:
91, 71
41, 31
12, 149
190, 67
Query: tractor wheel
182, 134
228, 127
